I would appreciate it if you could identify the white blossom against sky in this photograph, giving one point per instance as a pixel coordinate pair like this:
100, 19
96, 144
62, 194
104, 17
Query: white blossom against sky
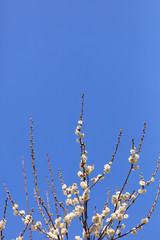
50, 53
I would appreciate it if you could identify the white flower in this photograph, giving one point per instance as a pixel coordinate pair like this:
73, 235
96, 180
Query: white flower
84, 157
142, 182
107, 168
120, 210
15, 206
96, 234
142, 191
85, 196
52, 235
106, 211
39, 224
132, 151
68, 218
78, 127
127, 195
19, 238
122, 226
133, 197
137, 156
118, 232
80, 122
78, 238
56, 232
80, 174
135, 168
152, 179
85, 235
34, 228
132, 160
110, 232
15, 213
89, 170
134, 231
126, 216
64, 186
84, 184
144, 220
22, 213
108, 219
120, 217
113, 216
27, 219
81, 135
68, 202
124, 205
95, 219
93, 228
114, 199
63, 225
2, 224
64, 231
77, 132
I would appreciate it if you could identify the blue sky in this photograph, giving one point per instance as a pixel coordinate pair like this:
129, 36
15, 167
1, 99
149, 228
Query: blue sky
51, 53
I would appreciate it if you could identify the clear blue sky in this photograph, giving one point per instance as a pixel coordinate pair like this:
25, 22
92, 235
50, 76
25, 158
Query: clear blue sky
50, 53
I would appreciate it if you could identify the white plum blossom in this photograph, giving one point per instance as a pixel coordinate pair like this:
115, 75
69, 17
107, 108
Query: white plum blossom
52, 235
39, 224
134, 231
84, 184
64, 231
133, 196
111, 232
133, 159
96, 218
142, 183
119, 232
22, 213
78, 238
16, 213
80, 174
107, 168
142, 191
27, 219
144, 220
113, 216
84, 158
120, 217
89, 170
105, 212
19, 238
2, 224
122, 226
114, 199
15, 206
132, 151
135, 168
84, 234
126, 216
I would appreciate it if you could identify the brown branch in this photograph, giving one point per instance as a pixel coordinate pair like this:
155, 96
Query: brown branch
143, 135
26, 192
53, 187
113, 156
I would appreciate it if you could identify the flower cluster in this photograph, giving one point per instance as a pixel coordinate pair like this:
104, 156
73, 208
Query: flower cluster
16, 211
133, 159
2, 224
27, 219
78, 130
107, 223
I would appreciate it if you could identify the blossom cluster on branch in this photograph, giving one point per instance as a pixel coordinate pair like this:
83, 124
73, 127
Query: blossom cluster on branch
108, 224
